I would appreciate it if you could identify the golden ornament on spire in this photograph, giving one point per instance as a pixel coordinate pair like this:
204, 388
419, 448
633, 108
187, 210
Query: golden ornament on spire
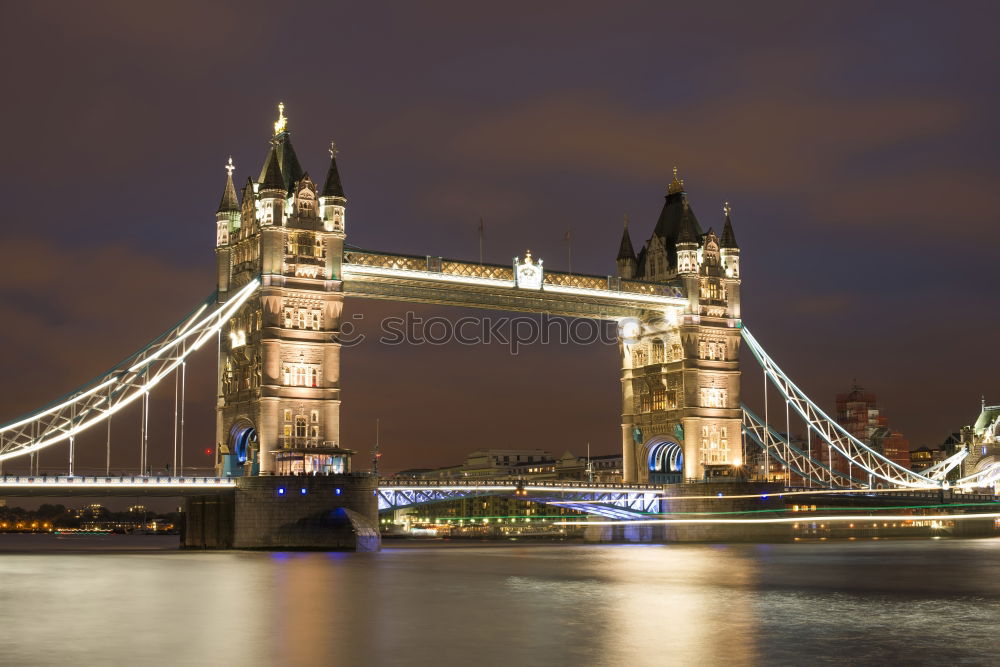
676, 185
282, 122
726, 209
230, 166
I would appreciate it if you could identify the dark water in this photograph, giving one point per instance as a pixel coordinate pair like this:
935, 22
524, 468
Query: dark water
876, 603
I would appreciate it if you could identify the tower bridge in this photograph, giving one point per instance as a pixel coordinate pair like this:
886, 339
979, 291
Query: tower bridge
283, 273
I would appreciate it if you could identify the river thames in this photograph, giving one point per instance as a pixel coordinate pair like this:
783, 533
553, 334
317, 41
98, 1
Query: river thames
138, 601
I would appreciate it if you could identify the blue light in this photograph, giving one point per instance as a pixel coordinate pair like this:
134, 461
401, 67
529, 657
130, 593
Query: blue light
719, 494
281, 490
763, 495
337, 490
302, 491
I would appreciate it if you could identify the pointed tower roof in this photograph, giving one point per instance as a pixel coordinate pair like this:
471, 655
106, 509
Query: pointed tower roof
688, 230
671, 220
625, 250
332, 187
270, 177
728, 236
281, 146
229, 201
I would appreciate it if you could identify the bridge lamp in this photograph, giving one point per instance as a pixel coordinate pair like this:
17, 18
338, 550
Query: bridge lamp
303, 491
337, 491
281, 490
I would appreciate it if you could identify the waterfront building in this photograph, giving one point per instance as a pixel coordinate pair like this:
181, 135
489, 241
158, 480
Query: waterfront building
526, 464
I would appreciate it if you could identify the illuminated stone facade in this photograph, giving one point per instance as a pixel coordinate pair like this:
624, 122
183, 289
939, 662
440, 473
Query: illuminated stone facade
279, 357
680, 365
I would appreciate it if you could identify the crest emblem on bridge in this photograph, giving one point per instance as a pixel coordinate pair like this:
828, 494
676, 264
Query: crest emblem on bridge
528, 274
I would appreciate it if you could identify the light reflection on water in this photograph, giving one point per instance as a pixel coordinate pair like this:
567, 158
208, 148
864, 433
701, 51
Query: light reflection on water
916, 602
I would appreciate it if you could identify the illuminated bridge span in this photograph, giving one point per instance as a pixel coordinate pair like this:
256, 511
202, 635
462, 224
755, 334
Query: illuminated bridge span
456, 283
116, 485
614, 501
274, 320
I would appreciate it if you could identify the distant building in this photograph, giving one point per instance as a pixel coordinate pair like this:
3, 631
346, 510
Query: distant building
859, 414
529, 464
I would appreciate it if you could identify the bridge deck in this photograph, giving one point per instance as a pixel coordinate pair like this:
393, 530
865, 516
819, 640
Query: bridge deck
129, 485
436, 280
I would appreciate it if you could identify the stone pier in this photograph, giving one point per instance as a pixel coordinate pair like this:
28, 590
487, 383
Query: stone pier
324, 513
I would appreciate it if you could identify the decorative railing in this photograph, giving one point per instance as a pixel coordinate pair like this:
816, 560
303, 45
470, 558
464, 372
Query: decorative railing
570, 280
494, 272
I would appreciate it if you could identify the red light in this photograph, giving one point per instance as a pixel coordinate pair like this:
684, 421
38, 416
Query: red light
208, 452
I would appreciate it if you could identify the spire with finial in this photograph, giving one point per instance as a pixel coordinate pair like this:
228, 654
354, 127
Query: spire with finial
332, 187
676, 186
281, 124
229, 201
728, 239
272, 179
625, 250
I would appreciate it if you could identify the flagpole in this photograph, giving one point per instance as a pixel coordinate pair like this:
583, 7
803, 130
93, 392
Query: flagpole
569, 250
481, 231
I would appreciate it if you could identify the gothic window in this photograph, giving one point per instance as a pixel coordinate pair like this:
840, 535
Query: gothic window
288, 415
314, 431
659, 398
701, 349
712, 397
300, 426
644, 402
638, 356
315, 320
314, 416
677, 351
671, 399
657, 351
287, 431
301, 375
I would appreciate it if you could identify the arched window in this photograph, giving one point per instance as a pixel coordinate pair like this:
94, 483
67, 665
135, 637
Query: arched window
300, 426
657, 351
644, 402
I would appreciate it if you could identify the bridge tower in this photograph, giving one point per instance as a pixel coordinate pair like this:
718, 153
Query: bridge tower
680, 367
278, 410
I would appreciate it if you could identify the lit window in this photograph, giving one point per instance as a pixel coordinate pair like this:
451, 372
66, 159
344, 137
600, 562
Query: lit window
659, 398
315, 320
712, 397
288, 415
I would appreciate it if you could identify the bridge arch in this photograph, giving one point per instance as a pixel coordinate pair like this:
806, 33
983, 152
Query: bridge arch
243, 449
664, 459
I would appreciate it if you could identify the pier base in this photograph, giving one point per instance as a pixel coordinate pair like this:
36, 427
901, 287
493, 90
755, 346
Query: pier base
336, 512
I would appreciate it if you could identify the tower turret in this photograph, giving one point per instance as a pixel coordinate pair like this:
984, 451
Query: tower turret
729, 253
227, 219
627, 264
687, 242
227, 216
728, 247
332, 201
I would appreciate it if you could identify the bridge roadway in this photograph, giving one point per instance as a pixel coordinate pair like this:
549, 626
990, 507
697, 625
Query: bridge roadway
619, 501
435, 280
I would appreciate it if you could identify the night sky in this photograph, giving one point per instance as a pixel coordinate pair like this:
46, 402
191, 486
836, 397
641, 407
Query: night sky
856, 144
